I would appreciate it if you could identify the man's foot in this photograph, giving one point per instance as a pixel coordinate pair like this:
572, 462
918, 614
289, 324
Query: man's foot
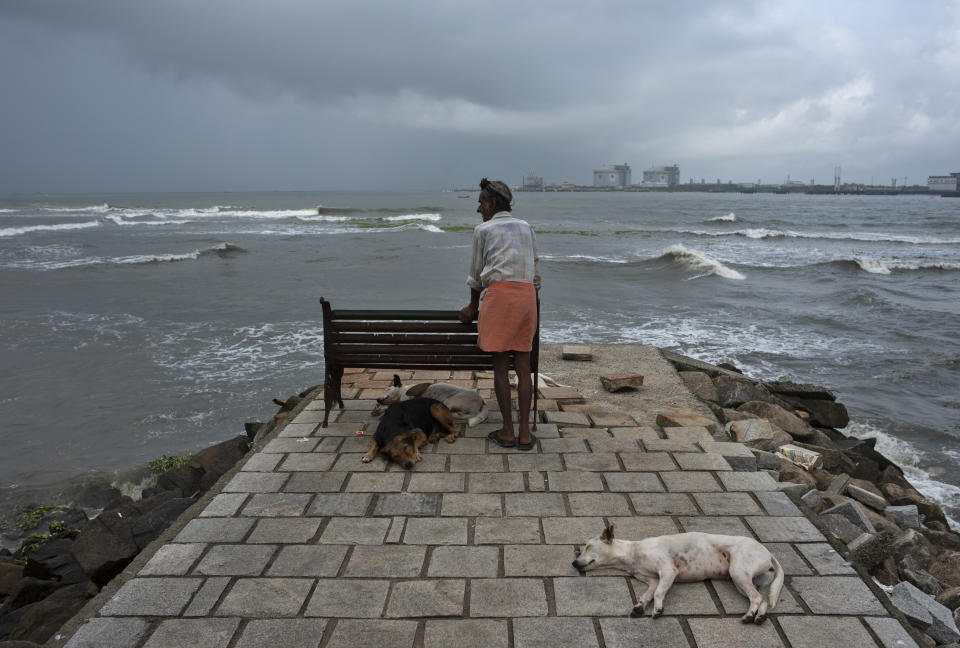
494, 437
528, 445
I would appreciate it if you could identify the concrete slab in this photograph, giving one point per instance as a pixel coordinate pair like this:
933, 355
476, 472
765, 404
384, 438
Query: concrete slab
507, 597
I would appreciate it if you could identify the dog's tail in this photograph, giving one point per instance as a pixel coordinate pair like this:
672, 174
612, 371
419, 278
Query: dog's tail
777, 583
479, 417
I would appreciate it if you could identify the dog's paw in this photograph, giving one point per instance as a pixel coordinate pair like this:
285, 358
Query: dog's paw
366, 459
636, 612
656, 612
747, 618
760, 618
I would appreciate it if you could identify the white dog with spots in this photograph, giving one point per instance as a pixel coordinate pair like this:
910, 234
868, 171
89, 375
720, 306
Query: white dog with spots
686, 558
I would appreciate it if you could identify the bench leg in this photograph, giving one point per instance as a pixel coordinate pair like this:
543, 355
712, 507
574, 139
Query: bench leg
331, 392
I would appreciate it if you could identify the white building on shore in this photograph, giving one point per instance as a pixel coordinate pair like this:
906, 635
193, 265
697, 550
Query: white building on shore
661, 176
616, 176
944, 183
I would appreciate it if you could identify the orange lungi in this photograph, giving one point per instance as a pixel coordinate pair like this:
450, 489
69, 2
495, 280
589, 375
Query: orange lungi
508, 317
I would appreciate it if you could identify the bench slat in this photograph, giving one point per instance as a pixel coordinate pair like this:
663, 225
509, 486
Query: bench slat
395, 315
400, 360
410, 349
400, 327
406, 338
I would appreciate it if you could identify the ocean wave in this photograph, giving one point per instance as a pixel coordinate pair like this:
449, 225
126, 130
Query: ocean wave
765, 233
324, 219
408, 217
699, 262
728, 218
98, 209
17, 231
119, 220
583, 257
268, 213
877, 266
221, 250
9, 211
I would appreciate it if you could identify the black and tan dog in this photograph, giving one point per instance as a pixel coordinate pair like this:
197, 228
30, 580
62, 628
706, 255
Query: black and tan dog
409, 425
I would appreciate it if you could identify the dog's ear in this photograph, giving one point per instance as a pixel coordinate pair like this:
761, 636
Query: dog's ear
396, 381
607, 535
417, 390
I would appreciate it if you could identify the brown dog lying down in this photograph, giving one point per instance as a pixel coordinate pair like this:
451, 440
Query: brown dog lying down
407, 426
686, 558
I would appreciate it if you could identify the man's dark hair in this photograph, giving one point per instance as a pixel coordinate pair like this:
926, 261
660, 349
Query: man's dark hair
499, 192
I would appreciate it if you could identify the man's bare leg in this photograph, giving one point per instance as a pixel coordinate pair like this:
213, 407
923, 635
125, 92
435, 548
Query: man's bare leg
521, 362
501, 387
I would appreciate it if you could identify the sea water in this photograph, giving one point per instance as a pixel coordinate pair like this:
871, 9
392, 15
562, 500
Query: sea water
138, 325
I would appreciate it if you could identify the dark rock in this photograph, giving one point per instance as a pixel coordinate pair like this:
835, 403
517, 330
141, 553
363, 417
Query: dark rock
812, 499
152, 502
871, 550
790, 472
29, 590
729, 366
151, 524
840, 527
149, 492
53, 561
893, 475
44, 619
946, 569
799, 390
925, 613
924, 581
900, 496
224, 453
834, 461
935, 525
9, 575
105, 546
19, 644
185, 479
904, 516
289, 404
251, 428
699, 385
950, 598
733, 392
119, 503
944, 539
822, 413
10, 620
786, 421
911, 548
100, 498
886, 572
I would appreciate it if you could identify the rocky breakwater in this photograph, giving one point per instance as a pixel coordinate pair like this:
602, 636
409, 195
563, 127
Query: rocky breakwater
64, 558
887, 528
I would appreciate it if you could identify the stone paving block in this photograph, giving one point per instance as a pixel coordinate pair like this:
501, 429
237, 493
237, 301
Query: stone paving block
723, 633
715, 524
283, 446
235, 560
534, 504
349, 444
790, 560
308, 560
336, 429
503, 482
633, 482
427, 598
407, 504
362, 404
350, 462
387, 561
747, 481
664, 632
395, 533
647, 461
531, 462
547, 632
464, 562
373, 633
348, 597
308, 462
430, 463
825, 559
536, 482
465, 633
739, 456
836, 595
640, 527
671, 445
538, 560
289, 633
693, 434
215, 530
507, 597
308, 416
436, 531
663, 504
105, 632
785, 529
560, 394
727, 504
611, 419
682, 599
152, 597
225, 504
592, 596
172, 560
256, 482
591, 461
599, 504
462, 446
890, 632
691, 482
777, 503
562, 445
315, 482
262, 462
701, 460
266, 597
816, 632
193, 633
390, 482
489, 530
547, 430
477, 463
471, 504
571, 531
436, 483
297, 430
638, 433
284, 530
610, 444
733, 602
574, 481
277, 505
355, 531
206, 597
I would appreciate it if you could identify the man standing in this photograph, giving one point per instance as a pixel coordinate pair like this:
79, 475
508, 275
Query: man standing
504, 269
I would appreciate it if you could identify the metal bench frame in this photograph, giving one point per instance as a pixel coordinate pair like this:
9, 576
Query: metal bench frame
404, 339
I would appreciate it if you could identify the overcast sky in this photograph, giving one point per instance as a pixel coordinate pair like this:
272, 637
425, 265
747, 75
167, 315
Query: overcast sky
195, 95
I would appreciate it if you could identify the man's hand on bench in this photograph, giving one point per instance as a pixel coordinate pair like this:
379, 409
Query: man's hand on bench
468, 314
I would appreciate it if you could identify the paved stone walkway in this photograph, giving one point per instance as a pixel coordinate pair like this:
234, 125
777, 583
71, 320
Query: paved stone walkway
307, 546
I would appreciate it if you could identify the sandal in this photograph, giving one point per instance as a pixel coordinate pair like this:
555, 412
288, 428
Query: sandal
527, 446
494, 437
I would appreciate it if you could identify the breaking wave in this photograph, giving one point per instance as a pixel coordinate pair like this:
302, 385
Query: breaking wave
409, 217
876, 266
728, 218
55, 263
323, 219
17, 231
699, 262
765, 233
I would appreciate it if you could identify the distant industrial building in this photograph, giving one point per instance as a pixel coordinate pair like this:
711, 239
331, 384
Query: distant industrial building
944, 183
532, 182
661, 176
616, 176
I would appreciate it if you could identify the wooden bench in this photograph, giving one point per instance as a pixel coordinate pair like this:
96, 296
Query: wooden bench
403, 339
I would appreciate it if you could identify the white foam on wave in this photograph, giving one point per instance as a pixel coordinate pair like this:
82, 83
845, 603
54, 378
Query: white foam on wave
584, 257
408, 217
8, 211
323, 219
17, 231
700, 262
766, 233
119, 220
97, 209
875, 266
267, 213
59, 263
728, 218
872, 266
911, 459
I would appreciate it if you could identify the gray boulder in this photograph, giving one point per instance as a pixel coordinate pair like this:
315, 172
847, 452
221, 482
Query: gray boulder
28, 590
924, 581
871, 549
840, 527
699, 385
151, 524
812, 499
758, 433
907, 517
925, 613
733, 392
45, 618
864, 496
786, 421
799, 390
950, 598
105, 546
185, 480
853, 514
822, 413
